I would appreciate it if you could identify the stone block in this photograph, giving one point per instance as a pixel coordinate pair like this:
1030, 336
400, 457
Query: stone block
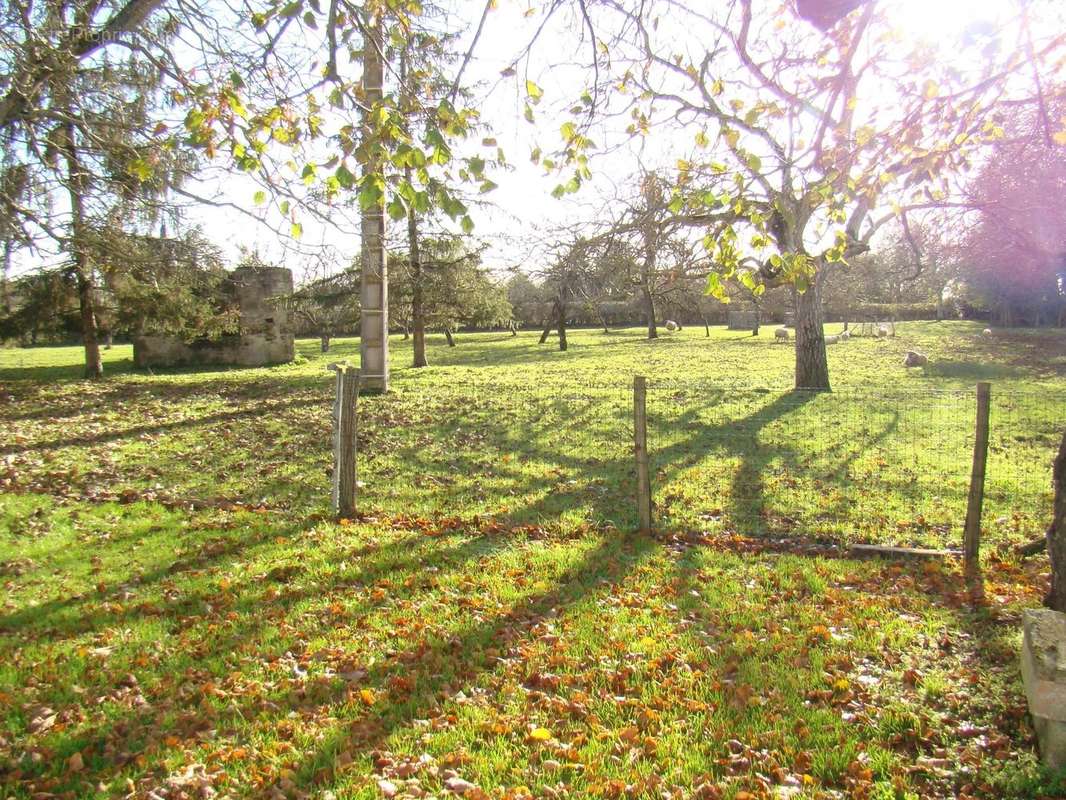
1044, 675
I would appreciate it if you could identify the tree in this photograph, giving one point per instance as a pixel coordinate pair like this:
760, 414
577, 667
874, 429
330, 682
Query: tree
78, 128
803, 143
456, 290
526, 298
161, 285
44, 307
1017, 246
326, 306
381, 147
1056, 534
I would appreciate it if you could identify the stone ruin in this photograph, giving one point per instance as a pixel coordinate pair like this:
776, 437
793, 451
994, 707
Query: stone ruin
264, 334
737, 320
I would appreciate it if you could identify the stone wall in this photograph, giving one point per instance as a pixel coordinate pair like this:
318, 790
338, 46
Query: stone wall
265, 336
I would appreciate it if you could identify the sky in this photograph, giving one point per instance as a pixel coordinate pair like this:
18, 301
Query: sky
523, 213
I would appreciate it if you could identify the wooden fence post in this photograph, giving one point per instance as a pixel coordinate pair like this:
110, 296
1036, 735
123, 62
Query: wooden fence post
640, 450
344, 439
971, 541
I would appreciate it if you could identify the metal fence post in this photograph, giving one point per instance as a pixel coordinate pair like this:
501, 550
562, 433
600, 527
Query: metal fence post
344, 439
640, 450
971, 541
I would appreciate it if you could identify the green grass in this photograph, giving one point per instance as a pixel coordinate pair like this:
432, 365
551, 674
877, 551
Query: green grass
180, 611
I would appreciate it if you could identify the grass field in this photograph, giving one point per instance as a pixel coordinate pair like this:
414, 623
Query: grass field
181, 616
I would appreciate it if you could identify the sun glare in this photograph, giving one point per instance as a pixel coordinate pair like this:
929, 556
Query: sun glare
932, 19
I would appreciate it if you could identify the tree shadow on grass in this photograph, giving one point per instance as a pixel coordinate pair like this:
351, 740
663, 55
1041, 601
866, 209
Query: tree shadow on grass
258, 620
434, 664
972, 371
85, 440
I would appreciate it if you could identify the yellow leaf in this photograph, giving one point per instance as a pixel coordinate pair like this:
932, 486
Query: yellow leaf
540, 735
1060, 137
368, 696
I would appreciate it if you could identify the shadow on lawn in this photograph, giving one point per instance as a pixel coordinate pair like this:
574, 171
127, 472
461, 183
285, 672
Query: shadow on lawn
86, 440
571, 456
432, 665
259, 621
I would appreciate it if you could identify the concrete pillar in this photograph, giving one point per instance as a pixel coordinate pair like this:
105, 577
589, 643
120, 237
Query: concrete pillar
374, 291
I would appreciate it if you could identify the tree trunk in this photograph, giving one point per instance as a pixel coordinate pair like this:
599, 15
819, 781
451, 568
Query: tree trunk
514, 328
603, 320
812, 366
706, 326
557, 310
324, 341
649, 310
547, 328
94, 367
562, 326
5, 288
109, 340
418, 308
1056, 535
448, 337
755, 328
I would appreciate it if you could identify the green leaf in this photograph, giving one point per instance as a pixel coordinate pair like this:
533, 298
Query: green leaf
297, 230
715, 287
396, 208
344, 177
468, 225
535, 92
259, 198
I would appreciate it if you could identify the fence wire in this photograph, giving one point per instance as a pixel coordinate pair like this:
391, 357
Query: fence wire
878, 465
886, 466
525, 455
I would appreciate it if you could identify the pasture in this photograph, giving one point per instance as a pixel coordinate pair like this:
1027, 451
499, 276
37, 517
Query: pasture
181, 615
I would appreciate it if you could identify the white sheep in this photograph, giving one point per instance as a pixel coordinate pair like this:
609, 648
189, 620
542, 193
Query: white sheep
915, 359
986, 332
670, 325
832, 339
845, 336
782, 334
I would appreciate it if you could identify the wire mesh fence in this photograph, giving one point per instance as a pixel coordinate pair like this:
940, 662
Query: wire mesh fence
887, 466
559, 455
878, 465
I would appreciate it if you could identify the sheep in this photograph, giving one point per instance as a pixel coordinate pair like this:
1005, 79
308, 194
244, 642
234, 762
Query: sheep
832, 339
915, 359
670, 325
986, 332
882, 331
782, 334
845, 336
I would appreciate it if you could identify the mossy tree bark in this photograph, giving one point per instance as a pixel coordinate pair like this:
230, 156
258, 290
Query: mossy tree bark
76, 186
1056, 534
812, 365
